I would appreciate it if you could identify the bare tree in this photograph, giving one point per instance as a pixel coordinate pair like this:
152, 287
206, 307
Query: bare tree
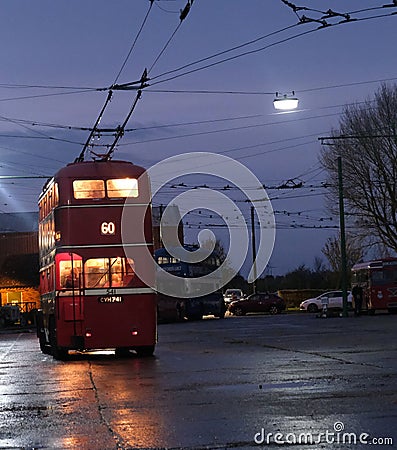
367, 143
332, 251
318, 265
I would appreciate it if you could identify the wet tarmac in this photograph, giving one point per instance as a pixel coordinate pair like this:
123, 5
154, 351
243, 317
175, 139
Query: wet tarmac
291, 380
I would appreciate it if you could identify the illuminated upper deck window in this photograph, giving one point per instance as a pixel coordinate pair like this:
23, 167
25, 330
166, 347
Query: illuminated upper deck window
122, 187
88, 189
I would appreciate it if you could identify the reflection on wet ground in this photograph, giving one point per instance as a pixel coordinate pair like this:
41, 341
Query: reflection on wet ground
212, 384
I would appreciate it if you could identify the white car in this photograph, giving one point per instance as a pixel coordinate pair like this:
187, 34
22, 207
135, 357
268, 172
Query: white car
333, 299
232, 295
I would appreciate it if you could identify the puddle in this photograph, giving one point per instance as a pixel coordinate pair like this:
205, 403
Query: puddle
262, 386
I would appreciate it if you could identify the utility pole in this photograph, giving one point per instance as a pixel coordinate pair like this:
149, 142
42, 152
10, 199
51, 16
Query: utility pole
161, 210
253, 243
341, 225
342, 238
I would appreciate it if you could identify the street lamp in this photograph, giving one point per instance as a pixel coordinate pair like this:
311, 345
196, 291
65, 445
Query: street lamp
285, 102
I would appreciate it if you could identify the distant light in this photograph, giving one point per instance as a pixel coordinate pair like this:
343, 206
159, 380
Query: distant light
284, 102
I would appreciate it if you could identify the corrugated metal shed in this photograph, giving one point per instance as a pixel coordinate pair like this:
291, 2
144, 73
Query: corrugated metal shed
18, 244
20, 222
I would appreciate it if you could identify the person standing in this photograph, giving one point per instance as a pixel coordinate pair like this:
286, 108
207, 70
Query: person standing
358, 295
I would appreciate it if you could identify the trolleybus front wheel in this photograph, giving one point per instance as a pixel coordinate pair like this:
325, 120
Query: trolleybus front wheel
44, 347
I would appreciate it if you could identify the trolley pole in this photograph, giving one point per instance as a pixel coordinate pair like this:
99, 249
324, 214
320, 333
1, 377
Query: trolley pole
342, 238
253, 243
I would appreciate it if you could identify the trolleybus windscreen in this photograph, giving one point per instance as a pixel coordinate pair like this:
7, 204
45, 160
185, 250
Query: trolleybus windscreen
122, 187
88, 189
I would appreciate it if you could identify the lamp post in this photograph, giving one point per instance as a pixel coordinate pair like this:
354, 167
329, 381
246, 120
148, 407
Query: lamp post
342, 238
253, 242
284, 103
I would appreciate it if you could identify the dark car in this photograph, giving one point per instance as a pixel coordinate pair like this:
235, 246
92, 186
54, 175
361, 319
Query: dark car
258, 303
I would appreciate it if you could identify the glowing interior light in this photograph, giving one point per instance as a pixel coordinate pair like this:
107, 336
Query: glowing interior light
285, 103
134, 332
88, 334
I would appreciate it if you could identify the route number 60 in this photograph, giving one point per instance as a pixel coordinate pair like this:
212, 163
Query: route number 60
108, 228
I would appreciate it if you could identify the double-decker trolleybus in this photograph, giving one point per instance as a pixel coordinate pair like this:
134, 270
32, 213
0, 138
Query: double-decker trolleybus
91, 297
378, 280
184, 303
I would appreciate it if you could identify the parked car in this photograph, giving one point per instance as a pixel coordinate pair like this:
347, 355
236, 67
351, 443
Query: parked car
335, 301
257, 303
9, 315
231, 295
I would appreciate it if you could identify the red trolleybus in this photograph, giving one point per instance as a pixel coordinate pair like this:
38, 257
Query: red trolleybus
91, 297
379, 282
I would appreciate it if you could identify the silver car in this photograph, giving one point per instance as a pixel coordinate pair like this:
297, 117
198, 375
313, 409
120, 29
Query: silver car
332, 299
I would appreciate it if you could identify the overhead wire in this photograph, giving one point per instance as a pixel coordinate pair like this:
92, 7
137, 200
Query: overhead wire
134, 42
231, 58
41, 86
183, 14
311, 30
28, 97
223, 52
40, 134
296, 225
171, 125
120, 130
157, 3
222, 130
138, 86
297, 90
255, 50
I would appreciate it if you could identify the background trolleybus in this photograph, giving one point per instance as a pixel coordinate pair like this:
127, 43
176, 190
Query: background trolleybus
188, 304
379, 282
91, 297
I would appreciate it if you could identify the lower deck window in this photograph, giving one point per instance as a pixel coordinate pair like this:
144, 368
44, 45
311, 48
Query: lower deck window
70, 273
108, 272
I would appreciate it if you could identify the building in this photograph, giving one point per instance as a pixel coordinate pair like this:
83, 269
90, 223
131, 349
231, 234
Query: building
175, 216
19, 262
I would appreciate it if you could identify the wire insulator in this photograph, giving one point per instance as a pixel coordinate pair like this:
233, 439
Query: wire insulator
185, 11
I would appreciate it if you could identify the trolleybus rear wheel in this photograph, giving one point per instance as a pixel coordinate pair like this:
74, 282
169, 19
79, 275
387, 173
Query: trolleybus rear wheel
58, 353
122, 352
145, 350
44, 345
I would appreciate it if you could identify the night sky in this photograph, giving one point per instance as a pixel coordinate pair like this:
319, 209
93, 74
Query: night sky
58, 60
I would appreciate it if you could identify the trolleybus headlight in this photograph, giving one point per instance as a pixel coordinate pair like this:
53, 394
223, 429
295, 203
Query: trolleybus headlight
88, 333
134, 332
